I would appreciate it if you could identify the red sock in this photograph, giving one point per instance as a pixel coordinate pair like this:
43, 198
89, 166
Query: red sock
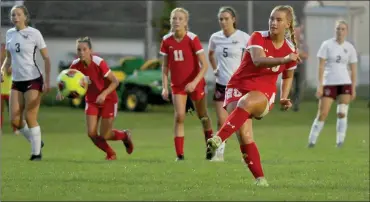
208, 134
102, 144
179, 146
252, 158
118, 135
233, 122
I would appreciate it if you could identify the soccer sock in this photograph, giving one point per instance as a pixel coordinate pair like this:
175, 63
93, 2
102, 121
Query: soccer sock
341, 129
26, 132
233, 122
208, 134
118, 135
35, 136
179, 145
315, 131
102, 144
251, 157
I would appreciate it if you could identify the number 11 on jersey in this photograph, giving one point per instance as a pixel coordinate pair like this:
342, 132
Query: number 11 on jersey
178, 56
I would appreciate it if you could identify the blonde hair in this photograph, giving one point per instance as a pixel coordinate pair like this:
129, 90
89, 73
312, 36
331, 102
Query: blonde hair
292, 20
341, 22
85, 39
185, 12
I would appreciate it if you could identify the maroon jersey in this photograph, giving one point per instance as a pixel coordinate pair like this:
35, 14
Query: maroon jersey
96, 73
249, 77
182, 58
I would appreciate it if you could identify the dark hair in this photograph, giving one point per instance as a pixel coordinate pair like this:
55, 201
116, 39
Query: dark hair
85, 39
230, 10
25, 12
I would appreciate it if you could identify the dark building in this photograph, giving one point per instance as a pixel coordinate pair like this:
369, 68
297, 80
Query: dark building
127, 19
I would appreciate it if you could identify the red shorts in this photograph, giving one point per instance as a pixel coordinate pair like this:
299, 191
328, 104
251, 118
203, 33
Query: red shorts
24, 86
198, 93
219, 95
334, 91
233, 94
107, 110
4, 97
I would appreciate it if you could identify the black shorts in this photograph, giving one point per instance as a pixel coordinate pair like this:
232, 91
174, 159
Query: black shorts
24, 86
219, 95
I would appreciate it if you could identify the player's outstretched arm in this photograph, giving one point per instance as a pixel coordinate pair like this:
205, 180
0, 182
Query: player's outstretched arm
260, 60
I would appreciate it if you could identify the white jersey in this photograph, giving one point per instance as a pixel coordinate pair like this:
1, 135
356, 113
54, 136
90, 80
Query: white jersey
228, 53
337, 57
22, 46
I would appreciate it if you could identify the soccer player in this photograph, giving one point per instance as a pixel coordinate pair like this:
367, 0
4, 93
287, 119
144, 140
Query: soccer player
183, 52
101, 100
5, 88
226, 48
251, 90
28, 83
335, 82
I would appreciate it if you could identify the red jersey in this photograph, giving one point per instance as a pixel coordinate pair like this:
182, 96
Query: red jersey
182, 57
249, 77
96, 73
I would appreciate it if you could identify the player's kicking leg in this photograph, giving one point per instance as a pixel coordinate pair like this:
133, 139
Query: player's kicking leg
108, 113
92, 120
179, 103
200, 103
221, 117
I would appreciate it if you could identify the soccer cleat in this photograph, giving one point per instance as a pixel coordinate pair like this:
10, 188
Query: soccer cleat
339, 144
111, 157
128, 142
261, 182
180, 158
36, 157
212, 144
208, 154
311, 145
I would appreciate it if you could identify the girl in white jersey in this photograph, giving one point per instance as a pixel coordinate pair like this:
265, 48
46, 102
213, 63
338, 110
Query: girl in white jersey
22, 41
335, 82
225, 54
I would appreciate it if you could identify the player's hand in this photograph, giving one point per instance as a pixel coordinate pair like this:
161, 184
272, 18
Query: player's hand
353, 96
190, 87
101, 98
285, 104
59, 97
165, 94
293, 57
319, 92
46, 87
216, 72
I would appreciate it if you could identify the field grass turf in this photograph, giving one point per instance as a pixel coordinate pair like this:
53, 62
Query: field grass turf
73, 169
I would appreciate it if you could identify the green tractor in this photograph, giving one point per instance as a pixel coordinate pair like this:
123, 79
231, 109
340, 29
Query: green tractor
140, 83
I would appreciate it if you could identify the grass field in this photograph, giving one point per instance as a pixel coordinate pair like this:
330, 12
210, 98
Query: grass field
73, 169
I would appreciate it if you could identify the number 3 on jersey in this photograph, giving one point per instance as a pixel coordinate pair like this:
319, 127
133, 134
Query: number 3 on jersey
17, 47
178, 56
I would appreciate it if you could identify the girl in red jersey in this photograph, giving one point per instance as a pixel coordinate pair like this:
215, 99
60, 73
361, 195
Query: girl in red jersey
183, 52
251, 90
101, 99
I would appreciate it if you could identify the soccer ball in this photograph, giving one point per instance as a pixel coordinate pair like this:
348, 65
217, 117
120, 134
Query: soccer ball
72, 83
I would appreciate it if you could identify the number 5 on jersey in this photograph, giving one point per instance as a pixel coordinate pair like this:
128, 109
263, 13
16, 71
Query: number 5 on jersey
178, 56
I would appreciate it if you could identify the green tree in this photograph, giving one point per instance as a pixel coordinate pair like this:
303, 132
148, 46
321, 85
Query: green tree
164, 21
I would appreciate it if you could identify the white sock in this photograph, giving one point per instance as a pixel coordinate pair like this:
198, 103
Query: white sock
26, 132
220, 150
341, 129
35, 140
315, 131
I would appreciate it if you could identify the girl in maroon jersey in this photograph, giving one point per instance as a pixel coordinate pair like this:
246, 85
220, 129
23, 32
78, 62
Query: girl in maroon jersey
251, 90
101, 99
182, 53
